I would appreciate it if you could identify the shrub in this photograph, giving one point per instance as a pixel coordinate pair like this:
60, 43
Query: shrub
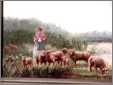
93, 50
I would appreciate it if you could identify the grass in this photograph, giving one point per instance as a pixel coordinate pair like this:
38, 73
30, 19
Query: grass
81, 62
47, 69
84, 71
51, 70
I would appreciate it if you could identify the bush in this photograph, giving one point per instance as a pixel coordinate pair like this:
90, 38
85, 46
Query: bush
19, 37
12, 66
93, 50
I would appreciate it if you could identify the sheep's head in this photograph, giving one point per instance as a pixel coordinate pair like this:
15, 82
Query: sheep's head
65, 50
105, 70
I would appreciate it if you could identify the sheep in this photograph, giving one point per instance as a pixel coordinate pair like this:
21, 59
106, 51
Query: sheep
98, 63
78, 55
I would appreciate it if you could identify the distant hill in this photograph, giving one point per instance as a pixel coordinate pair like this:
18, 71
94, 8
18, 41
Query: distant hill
30, 25
97, 36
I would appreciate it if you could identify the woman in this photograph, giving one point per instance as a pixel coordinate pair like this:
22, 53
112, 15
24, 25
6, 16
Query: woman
39, 39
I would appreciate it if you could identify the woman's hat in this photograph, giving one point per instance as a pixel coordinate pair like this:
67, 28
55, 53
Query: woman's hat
40, 28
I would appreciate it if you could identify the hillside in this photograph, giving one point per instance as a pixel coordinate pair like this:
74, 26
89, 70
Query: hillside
96, 36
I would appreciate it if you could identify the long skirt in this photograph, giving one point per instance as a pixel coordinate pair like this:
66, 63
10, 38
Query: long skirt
40, 45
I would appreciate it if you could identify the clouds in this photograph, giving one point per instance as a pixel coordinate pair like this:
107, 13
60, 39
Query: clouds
74, 16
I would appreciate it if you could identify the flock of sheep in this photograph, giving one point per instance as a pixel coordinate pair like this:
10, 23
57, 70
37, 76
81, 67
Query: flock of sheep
59, 56
51, 56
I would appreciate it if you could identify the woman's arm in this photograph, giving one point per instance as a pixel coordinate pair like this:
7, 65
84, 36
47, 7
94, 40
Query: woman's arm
44, 37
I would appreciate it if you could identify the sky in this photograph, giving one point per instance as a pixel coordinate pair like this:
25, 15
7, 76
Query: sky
73, 16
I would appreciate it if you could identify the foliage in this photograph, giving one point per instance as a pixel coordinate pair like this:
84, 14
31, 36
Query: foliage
50, 70
19, 37
16, 69
22, 31
93, 50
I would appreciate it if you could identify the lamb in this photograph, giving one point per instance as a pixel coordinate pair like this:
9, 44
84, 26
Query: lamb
98, 63
78, 55
27, 61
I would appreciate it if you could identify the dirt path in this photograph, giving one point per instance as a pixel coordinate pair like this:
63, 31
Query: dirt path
104, 50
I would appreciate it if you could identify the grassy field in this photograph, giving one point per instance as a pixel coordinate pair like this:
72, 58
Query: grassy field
79, 71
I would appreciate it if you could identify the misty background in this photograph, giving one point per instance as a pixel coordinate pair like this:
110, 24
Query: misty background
74, 24
72, 16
